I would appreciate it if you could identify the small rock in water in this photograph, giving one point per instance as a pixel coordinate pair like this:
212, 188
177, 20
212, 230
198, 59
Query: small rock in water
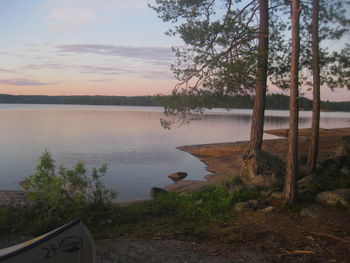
155, 191
177, 176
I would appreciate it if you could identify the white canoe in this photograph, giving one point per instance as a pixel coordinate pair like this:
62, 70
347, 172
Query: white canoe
71, 243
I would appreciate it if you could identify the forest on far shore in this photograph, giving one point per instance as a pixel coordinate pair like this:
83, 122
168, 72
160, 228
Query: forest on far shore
273, 101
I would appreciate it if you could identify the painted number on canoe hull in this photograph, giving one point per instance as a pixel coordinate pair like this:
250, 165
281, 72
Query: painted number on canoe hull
50, 250
71, 244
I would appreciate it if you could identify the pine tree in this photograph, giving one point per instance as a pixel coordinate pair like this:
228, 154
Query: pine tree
290, 186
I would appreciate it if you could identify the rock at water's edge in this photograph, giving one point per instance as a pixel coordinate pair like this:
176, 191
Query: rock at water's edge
177, 176
155, 191
251, 204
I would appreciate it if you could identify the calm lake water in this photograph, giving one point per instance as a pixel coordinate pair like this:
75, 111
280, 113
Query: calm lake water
139, 152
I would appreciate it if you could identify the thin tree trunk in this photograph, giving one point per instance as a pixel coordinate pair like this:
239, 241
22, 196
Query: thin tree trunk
315, 126
257, 127
290, 186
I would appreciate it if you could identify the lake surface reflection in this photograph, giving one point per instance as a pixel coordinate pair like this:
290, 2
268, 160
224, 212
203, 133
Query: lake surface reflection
139, 152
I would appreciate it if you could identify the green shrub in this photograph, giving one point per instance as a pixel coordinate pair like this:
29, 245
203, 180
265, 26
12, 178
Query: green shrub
66, 191
213, 204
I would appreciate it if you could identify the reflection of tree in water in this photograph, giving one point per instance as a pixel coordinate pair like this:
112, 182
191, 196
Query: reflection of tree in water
242, 119
282, 122
236, 118
274, 122
329, 122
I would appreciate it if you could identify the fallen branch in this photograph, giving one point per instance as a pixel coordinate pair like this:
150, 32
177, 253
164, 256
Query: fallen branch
331, 236
311, 238
302, 252
298, 252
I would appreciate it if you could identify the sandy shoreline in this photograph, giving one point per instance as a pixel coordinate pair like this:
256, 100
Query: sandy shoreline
224, 159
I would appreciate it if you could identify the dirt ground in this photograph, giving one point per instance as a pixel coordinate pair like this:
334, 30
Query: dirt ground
277, 236
282, 236
154, 251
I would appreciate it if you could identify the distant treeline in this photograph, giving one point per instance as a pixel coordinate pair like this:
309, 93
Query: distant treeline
80, 100
281, 102
273, 101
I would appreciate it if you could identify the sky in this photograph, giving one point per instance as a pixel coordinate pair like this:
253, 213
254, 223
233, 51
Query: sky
89, 47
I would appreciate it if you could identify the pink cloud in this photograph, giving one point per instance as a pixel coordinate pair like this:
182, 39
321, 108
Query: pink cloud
24, 82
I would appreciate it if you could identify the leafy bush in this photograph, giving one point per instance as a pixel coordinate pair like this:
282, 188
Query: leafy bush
65, 191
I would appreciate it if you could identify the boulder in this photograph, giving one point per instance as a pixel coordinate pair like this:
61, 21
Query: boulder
243, 187
267, 209
336, 196
306, 194
155, 191
251, 204
337, 158
345, 170
262, 204
177, 176
313, 182
277, 194
311, 211
262, 169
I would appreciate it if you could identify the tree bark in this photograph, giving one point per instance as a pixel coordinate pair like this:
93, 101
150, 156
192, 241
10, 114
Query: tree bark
257, 126
315, 126
290, 186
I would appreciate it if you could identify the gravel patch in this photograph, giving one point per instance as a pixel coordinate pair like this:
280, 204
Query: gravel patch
154, 251
122, 250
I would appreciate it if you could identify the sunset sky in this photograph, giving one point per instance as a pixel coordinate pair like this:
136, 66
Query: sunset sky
88, 47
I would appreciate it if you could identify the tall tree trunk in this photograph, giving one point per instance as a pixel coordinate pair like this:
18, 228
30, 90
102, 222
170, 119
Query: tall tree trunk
290, 186
315, 126
257, 127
